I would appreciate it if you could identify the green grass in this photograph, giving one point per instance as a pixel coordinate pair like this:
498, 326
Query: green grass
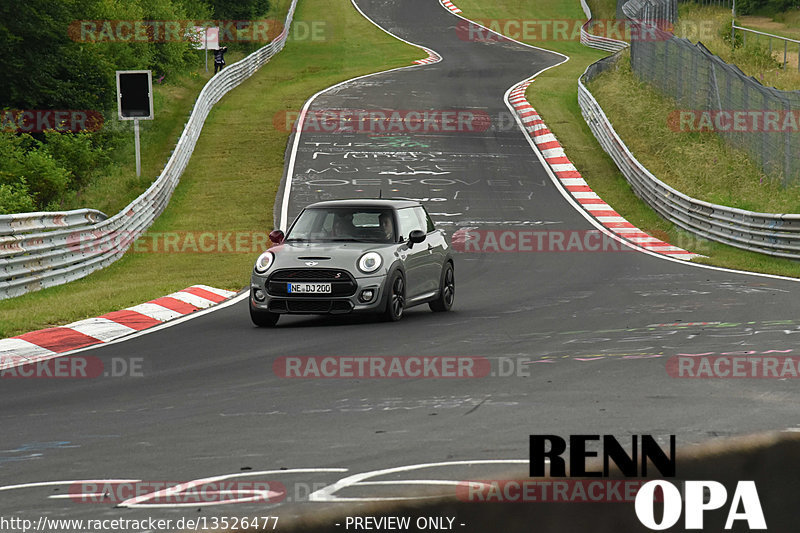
701, 165
232, 178
712, 26
603, 9
554, 95
790, 19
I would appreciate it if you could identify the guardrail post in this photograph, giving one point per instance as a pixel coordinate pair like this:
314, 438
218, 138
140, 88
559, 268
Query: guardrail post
785, 50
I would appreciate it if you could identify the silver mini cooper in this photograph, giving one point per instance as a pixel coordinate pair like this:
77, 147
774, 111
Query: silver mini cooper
354, 256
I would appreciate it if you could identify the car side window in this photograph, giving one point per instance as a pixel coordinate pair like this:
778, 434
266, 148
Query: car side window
409, 221
425, 219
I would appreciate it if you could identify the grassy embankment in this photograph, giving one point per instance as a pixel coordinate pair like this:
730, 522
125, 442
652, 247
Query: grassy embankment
173, 99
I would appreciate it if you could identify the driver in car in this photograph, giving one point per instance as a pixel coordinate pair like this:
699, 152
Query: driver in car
387, 226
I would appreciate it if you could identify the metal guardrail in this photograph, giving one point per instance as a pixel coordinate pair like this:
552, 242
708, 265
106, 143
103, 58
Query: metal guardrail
769, 37
767, 233
39, 250
27, 222
596, 41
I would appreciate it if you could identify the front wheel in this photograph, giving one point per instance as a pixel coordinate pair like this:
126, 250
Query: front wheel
263, 319
396, 301
447, 290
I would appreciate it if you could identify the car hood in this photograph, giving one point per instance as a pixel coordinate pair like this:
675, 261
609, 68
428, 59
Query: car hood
330, 255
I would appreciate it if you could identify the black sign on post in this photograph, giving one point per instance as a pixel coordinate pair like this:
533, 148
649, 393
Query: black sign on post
135, 94
135, 102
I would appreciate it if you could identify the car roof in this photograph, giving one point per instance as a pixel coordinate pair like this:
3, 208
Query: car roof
366, 202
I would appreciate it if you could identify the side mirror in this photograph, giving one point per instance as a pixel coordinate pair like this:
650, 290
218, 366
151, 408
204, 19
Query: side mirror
415, 237
276, 236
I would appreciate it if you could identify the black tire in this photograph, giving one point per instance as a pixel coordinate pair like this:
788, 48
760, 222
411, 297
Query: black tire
396, 299
447, 290
263, 319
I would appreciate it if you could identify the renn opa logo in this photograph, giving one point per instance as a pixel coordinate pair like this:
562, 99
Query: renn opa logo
698, 498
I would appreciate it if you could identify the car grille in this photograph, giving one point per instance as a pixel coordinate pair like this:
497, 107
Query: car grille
310, 306
310, 274
342, 283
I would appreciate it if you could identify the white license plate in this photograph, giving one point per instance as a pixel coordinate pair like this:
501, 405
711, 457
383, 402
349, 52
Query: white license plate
309, 288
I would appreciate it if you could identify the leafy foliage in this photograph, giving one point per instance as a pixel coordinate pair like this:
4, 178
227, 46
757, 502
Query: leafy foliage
48, 64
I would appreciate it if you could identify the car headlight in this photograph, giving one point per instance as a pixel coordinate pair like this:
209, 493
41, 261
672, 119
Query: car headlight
370, 262
264, 261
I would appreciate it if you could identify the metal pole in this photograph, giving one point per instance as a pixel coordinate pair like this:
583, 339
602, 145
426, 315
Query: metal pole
785, 50
136, 142
733, 25
205, 45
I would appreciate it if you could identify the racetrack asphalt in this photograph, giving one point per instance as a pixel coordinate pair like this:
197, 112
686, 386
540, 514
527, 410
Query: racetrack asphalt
592, 329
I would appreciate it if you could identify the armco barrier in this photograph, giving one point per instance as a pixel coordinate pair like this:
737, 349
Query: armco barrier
39, 250
594, 41
767, 233
28, 222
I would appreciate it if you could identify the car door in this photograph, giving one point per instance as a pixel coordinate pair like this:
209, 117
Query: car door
436, 246
415, 258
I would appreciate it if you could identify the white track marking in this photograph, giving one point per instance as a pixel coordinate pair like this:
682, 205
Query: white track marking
100, 328
191, 299
20, 348
59, 483
158, 312
326, 494
220, 292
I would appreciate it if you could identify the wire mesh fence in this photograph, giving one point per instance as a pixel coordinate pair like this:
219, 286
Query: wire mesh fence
713, 3
715, 95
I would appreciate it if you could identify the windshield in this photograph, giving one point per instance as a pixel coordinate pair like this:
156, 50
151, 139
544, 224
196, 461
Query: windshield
344, 224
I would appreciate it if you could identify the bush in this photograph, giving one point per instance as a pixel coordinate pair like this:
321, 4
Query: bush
77, 153
47, 64
27, 167
241, 10
15, 199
